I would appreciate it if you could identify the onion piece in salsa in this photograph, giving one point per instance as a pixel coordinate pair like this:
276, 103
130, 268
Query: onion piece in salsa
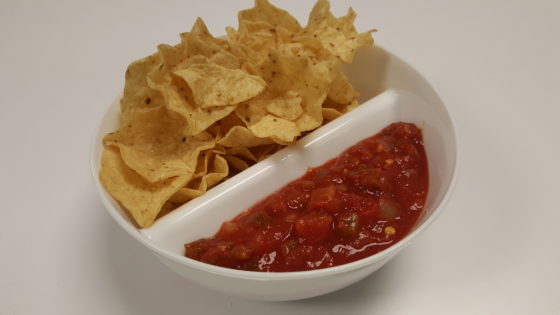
357, 204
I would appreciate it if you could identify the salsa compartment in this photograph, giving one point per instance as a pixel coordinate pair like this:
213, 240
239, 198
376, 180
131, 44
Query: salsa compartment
363, 201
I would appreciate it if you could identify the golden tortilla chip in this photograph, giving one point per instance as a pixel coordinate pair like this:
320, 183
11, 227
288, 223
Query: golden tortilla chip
256, 37
341, 91
229, 122
138, 95
286, 106
279, 130
202, 164
265, 12
240, 136
307, 79
237, 163
262, 152
179, 99
217, 172
213, 85
142, 198
201, 30
154, 146
263, 125
242, 152
193, 45
197, 187
331, 114
337, 35
333, 110
261, 29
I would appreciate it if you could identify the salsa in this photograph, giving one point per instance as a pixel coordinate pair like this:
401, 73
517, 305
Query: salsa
357, 204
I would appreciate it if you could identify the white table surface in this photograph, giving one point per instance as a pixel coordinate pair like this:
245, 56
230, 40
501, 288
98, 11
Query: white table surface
495, 250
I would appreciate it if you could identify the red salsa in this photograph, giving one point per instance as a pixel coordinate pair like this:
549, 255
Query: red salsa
352, 207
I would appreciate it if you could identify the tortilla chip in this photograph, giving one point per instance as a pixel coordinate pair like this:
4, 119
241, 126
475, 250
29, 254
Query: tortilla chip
337, 35
213, 85
237, 163
279, 130
265, 12
138, 95
201, 30
341, 91
179, 99
197, 187
193, 45
262, 152
242, 152
262, 29
154, 146
142, 198
331, 114
239, 136
286, 106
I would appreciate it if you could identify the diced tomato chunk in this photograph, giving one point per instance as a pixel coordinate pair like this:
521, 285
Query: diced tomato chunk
306, 257
348, 224
314, 227
195, 249
371, 178
326, 199
241, 252
305, 185
389, 209
366, 208
268, 239
274, 204
229, 227
257, 219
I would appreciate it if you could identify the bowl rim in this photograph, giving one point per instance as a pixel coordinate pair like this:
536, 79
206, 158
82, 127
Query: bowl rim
267, 276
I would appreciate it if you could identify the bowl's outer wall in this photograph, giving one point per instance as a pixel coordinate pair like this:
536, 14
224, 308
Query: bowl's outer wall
278, 289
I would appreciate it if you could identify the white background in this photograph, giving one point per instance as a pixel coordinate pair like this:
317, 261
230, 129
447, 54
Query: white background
495, 250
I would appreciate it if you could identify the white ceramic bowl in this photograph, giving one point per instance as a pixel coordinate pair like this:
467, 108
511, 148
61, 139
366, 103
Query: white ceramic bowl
391, 91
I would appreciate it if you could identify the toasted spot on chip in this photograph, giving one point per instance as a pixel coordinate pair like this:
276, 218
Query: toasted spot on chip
142, 198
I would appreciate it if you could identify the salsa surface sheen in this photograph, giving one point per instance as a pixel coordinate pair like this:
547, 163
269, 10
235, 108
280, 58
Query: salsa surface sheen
351, 207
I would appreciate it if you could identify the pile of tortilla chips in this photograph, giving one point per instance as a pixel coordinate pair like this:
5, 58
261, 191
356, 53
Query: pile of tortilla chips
198, 112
